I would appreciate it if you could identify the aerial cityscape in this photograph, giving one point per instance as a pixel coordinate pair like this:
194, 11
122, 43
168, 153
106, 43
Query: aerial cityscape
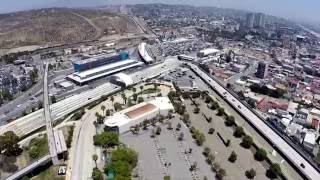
158, 92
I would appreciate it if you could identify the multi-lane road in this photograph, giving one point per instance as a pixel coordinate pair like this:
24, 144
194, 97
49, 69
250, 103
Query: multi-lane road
308, 170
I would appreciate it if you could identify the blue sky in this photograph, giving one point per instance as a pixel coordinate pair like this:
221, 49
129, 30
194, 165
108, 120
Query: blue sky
308, 10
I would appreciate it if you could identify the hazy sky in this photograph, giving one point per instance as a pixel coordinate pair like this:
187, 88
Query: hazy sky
292, 9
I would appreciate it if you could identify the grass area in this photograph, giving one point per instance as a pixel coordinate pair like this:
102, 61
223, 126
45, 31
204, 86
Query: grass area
49, 174
38, 147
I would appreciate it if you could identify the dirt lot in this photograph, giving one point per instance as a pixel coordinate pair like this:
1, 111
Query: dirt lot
54, 26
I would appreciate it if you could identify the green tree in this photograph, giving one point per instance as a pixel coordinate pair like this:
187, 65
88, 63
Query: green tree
9, 144
140, 100
230, 121
274, 171
166, 178
221, 173
95, 158
260, 154
135, 97
97, 174
123, 161
206, 151
103, 108
250, 173
201, 139
117, 106
246, 141
214, 105
211, 158
106, 139
233, 157
112, 99
239, 132
124, 97
220, 111
141, 88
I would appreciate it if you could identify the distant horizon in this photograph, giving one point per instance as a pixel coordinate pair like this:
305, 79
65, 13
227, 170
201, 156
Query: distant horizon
305, 15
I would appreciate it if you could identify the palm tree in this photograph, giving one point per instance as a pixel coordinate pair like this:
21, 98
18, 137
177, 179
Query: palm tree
134, 90
141, 88
95, 158
124, 97
103, 108
112, 99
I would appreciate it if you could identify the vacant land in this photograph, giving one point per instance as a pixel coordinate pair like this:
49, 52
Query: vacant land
54, 26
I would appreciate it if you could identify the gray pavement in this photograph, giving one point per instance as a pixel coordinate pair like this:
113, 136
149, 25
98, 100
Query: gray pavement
152, 159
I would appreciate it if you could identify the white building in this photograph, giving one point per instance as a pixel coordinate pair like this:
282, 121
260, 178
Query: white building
310, 140
101, 71
207, 52
123, 120
144, 53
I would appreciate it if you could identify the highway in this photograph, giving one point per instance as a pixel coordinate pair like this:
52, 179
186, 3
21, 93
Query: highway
309, 171
46, 105
30, 167
36, 120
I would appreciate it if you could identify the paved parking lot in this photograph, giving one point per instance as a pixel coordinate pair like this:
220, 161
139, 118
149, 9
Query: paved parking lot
154, 153
245, 159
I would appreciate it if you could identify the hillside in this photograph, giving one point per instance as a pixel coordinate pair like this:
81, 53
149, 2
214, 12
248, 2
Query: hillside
53, 26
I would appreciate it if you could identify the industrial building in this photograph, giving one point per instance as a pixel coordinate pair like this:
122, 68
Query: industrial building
208, 52
83, 77
144, 55
99, 60
122, 121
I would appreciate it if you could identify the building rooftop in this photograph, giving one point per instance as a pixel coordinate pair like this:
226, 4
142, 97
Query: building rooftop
140, 111
91, 74
95, 58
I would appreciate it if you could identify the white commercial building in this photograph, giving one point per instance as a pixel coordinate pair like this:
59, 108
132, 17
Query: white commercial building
123, 120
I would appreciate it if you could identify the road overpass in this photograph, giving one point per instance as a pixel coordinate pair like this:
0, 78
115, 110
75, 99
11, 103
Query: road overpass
295, 158
42, 161
46, 105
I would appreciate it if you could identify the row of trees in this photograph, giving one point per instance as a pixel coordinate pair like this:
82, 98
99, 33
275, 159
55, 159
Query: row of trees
198, 136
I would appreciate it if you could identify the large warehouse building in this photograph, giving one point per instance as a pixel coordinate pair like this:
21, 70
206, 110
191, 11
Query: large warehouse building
83, 77
99, 60
123, 120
